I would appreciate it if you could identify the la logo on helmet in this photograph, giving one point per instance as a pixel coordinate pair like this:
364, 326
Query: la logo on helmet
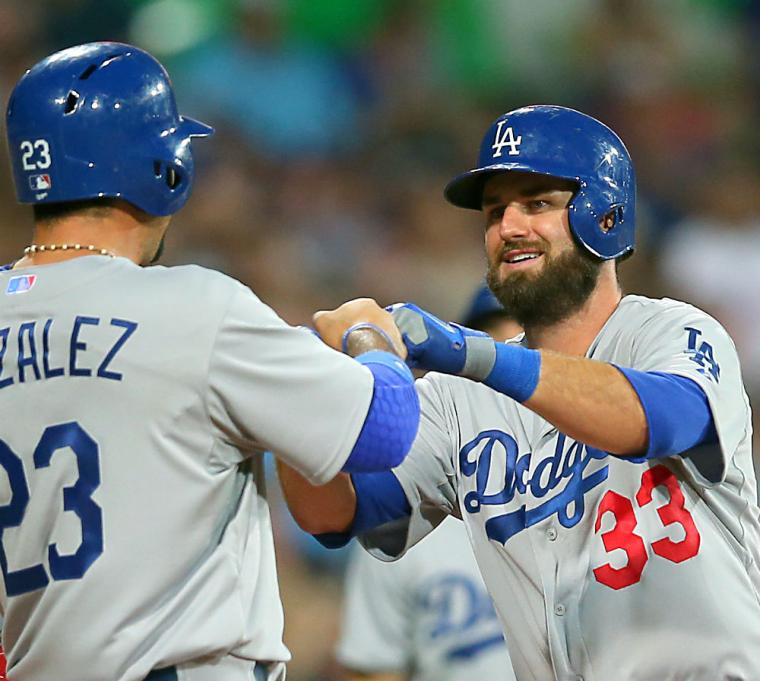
506, 138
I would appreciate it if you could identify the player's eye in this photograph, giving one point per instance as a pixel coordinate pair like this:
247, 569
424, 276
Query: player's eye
536, 205
494, 214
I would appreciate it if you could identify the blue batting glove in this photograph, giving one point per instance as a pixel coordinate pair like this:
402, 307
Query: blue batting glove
441, 346
453, 349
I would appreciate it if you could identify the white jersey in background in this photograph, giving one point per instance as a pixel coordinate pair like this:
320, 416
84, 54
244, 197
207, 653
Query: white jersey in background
427, 617
600, 567
135, 528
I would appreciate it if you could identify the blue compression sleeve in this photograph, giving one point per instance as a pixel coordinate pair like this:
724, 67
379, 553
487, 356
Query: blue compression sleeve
677, 412
379, 499
392, 419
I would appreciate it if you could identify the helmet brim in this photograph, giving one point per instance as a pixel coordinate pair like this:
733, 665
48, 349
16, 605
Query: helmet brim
193, 128
466, 190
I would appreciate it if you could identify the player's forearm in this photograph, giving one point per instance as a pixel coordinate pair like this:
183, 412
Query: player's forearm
318, 509
620, 410
591, 402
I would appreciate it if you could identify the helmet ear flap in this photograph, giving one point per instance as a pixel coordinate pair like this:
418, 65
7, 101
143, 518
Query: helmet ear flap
604, 229
173, 178
611, 218
172, 175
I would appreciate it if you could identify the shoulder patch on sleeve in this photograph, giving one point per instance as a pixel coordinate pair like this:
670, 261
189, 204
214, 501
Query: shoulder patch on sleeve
700, 351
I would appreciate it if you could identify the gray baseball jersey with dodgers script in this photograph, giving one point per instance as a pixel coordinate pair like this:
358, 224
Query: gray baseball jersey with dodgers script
134, 527
601, 567
427, 616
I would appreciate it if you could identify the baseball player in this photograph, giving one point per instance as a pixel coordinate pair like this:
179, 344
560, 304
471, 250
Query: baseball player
428, 616
135, 538
602, 461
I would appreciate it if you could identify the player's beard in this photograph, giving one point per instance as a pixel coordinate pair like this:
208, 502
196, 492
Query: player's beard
542, 299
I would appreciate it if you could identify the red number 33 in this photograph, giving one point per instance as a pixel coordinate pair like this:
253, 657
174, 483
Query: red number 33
622, 535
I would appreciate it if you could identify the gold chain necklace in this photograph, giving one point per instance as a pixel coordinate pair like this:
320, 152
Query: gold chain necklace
42, 248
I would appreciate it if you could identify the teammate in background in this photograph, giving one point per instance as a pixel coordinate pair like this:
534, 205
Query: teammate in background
602, 461
428, 616
135, 538
485, 313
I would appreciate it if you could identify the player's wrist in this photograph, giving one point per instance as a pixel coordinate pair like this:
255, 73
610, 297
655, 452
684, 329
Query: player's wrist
366, 337
479, 356
515, 371
389, 360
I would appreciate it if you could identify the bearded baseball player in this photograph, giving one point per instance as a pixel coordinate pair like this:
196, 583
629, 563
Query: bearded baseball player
135, 537
602, 461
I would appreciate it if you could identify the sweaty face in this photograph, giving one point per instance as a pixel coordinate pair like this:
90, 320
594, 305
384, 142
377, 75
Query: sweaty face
535, 268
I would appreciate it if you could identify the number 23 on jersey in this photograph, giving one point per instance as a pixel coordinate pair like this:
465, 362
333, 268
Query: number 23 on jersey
77, 499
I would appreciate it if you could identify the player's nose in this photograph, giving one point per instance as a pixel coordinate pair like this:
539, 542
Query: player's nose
514, 223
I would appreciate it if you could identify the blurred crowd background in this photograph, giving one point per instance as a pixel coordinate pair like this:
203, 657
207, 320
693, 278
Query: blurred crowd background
339, 122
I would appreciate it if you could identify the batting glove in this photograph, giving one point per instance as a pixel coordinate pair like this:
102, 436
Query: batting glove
443, 346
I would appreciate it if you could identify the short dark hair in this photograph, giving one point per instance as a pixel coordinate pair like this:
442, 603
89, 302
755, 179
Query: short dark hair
50, 212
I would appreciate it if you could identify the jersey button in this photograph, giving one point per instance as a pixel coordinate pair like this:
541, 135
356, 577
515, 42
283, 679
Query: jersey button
551, 534
559, 609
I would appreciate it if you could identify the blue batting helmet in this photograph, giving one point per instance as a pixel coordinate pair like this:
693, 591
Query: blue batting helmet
564, 143
100, 120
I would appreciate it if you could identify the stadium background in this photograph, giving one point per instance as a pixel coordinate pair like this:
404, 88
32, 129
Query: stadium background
339, 122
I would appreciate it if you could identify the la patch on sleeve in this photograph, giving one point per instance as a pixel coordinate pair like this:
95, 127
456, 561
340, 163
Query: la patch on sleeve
701, 353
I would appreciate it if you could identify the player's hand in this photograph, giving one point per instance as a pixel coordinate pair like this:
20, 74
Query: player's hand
432, 343
359, 326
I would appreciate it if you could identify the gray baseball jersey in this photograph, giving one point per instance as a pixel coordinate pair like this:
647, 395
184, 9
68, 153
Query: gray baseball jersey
134, 527
428, 615
601, 567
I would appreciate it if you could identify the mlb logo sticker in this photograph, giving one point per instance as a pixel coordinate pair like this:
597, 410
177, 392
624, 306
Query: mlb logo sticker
20, 284
40, 183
